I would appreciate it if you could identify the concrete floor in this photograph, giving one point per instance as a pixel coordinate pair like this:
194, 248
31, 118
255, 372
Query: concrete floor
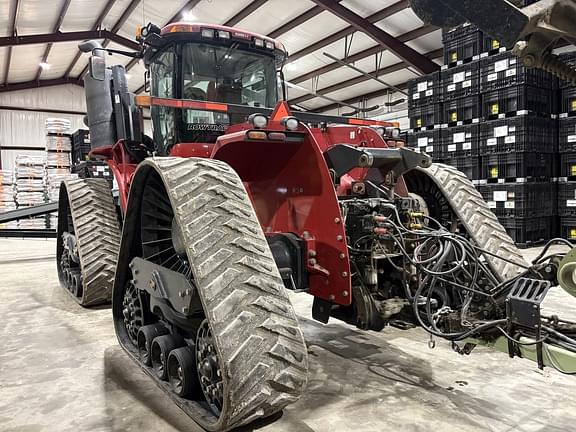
61, 369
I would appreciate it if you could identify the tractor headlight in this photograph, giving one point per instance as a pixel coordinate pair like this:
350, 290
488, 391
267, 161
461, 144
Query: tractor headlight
393, 132
380, 130
259, 121
290, 123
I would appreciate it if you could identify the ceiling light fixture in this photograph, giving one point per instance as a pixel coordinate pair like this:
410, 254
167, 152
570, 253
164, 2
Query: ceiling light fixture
45, 65
188, 16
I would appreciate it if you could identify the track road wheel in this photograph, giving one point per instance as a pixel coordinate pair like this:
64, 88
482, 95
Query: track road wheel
181, 372
88, 240
161, 347
193, 216
451, 197
146, 335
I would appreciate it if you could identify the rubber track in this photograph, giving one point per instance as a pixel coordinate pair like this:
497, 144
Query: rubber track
480, 222
97, 235
260, 346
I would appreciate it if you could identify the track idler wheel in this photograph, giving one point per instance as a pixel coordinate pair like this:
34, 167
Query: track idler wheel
159, 351
132, 311
181, 371
209, 372
146, 336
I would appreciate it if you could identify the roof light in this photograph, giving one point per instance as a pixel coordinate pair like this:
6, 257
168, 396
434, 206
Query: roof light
259, 43
223, 34
270, 45
188, 16
259, 121
207, 33
45, 65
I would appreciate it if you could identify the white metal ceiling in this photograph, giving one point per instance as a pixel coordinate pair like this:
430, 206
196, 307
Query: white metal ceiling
39, 17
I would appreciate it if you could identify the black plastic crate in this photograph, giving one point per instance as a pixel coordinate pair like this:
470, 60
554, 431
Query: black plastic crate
518, 134
80, 145
520, 199
93, 169
568, 101
517, 100
570, 59
428, 142
424, 90
567, 135
513, 167
425, 117
491, 46
505, 70
568, 166
532, 231
461, 111
460, 81
461, 44
568, 228
567, 198
468, 165
460, 141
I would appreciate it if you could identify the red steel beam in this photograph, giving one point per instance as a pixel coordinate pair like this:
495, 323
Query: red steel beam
67, 37
12, 31
38, 83
410, 55
123, 18
95, 26
335, 37
56, 29
248, 10
406, 37
343, 84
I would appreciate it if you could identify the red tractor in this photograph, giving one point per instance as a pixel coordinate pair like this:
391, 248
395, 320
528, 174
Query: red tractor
233, 202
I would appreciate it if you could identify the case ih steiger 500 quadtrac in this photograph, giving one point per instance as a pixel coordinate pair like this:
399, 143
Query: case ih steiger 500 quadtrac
232, 203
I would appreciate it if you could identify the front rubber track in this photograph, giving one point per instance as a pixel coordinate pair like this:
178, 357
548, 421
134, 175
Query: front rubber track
470, 208
261, 349
97, 232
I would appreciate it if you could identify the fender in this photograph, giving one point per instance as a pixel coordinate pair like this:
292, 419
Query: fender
292, 192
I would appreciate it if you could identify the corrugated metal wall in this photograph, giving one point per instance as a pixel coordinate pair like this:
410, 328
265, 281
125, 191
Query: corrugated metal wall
20, 128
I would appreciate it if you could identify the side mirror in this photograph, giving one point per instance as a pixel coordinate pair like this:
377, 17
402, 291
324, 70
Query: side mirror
97, 68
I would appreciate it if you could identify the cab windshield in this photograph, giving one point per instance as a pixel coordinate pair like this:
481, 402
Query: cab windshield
228, 75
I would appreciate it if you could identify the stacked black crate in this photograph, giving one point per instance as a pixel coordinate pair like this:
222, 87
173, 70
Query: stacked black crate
425, 115
460, 96
517, 147
567, 153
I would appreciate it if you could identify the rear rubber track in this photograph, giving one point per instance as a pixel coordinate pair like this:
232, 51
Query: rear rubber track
261, 349
97, 232
480, 222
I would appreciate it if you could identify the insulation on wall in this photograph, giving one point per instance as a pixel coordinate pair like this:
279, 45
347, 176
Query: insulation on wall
26, 128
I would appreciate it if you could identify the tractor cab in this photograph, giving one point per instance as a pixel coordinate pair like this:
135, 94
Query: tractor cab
196, 70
